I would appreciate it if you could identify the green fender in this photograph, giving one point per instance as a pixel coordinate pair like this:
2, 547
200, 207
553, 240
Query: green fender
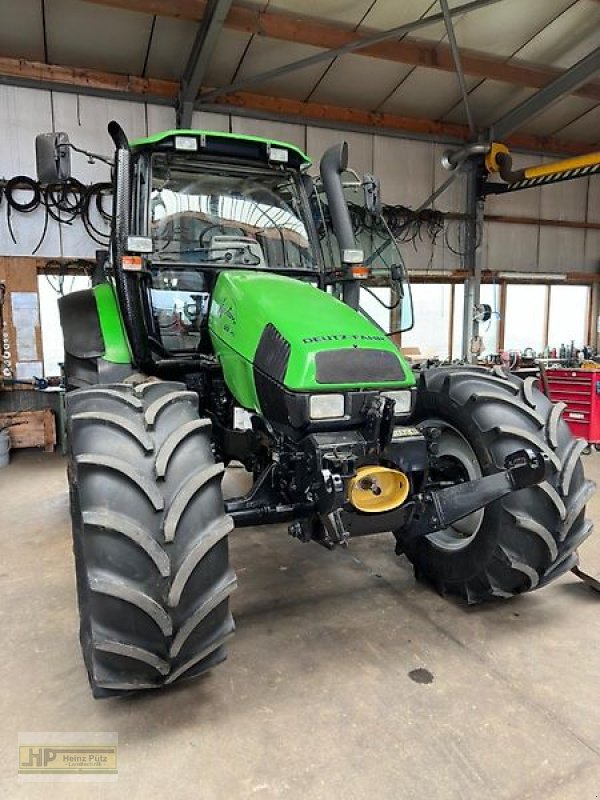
111, 324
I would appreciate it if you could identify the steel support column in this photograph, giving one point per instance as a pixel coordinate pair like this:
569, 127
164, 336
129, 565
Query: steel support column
566, 83
472, 258
199, 59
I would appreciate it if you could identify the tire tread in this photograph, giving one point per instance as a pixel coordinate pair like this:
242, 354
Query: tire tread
154, 608
537, 529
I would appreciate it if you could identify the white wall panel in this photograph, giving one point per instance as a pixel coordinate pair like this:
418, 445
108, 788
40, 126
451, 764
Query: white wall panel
484, 253
209, 121
593, 199
512, 247
591, 261
565, 201
561, 249
85, 119
27, 229
23, 114
283, 131
360, 147
418, 258
159, 118
443, 258
405, 168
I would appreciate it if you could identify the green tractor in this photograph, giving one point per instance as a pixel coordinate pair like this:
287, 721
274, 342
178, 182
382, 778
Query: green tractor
234, 321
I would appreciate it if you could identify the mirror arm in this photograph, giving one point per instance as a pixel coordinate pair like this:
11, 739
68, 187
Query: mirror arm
92, 156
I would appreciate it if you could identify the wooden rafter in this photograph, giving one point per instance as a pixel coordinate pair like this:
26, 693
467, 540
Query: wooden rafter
322, 112
31, 73
304, 30
19, 70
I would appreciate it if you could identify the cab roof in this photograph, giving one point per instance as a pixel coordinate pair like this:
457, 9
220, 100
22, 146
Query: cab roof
254, 148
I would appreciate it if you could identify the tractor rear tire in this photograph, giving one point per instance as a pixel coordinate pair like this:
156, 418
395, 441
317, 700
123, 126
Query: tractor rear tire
528, 538
150, 536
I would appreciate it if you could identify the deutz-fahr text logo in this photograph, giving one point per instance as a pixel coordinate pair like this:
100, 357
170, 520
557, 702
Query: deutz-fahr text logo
344, 337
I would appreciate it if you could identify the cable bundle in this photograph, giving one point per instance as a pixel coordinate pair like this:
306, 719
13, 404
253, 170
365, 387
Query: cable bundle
61, 269
16, 184
456, 230
63, 202
94, 197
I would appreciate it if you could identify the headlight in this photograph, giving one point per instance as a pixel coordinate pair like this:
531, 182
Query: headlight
327, 406
402, 401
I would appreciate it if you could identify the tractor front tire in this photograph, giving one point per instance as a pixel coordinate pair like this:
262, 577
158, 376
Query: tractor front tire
529, 537
150, 536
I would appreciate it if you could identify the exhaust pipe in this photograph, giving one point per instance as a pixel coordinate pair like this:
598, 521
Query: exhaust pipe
333, 163
128, 286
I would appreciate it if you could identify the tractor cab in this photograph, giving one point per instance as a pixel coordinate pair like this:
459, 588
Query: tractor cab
204, 202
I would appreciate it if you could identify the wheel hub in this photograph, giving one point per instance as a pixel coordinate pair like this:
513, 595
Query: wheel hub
456, 463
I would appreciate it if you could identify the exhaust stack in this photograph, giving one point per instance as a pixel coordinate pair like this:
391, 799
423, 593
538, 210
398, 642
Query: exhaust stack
333, 163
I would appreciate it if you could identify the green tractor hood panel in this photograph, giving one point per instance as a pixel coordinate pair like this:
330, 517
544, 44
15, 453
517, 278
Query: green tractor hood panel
298, 336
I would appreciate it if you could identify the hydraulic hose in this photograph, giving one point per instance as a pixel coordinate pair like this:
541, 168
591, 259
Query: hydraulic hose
20, 183
94, 195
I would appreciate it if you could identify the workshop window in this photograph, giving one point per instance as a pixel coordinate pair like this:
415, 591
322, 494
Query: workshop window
431, 332
50, 288
525, 320
568, 316
376, 304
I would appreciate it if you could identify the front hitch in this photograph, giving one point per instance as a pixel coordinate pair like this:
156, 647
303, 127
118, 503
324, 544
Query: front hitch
438, 509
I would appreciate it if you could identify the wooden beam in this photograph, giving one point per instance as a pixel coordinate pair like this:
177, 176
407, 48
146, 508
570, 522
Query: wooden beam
304, 30
307, 111
551, 223
19, 70
538, 221
36, 74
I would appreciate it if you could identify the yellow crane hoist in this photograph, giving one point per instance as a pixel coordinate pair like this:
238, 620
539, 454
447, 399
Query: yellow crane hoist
499, 160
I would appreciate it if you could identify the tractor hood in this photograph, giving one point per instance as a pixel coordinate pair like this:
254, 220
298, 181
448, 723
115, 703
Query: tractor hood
291, 333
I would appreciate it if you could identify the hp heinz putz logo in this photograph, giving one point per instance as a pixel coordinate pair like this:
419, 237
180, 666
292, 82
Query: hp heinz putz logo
67, 756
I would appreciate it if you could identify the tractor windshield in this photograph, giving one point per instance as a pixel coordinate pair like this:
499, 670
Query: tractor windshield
220, 216
385, 296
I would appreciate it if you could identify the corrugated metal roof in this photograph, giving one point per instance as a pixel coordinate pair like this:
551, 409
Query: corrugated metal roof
546, 33
344, 83
425, 93
87, 35
22, 29
265, 54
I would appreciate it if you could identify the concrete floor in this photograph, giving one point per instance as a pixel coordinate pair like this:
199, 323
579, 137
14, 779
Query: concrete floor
316, 698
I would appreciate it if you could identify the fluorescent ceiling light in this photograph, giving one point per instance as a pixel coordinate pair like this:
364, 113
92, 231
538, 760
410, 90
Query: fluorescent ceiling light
529, 276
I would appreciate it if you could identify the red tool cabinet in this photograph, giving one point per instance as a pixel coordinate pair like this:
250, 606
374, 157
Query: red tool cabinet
580, 390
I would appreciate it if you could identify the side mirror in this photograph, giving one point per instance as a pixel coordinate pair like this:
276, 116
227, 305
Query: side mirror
52, 157
372, 191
